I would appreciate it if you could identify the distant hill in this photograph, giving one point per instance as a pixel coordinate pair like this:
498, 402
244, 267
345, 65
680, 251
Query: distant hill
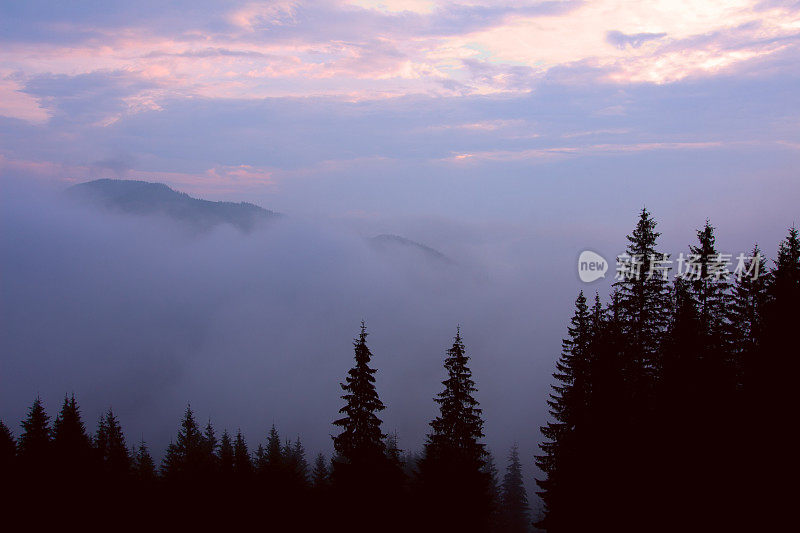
146, 198
387, 242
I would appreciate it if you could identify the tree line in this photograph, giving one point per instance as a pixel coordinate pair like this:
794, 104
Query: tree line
373, 484
669, 410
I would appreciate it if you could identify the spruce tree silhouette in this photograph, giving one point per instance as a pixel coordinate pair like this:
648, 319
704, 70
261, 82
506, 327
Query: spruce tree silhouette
320, 479
514, 498
362, 473
242, 463
560, 461
185, 459
113, 453
143, 467
359, 447
750, 297
34, 447
452, 470
771, 382
225, 456
72, 447
296, 464
496, 522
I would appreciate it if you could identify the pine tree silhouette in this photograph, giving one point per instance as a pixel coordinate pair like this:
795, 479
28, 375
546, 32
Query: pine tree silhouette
242, 463
560, 460
750, 298
496, 522
144, 468
297, 465
72, 447
320, 479
514, 498
226, 455
452, 469
110, 444
210, 448
643, 306
771, 383
185, 459
359, 447
34, 447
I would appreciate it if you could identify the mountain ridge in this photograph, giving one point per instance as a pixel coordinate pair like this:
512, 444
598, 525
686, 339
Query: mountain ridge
138, 197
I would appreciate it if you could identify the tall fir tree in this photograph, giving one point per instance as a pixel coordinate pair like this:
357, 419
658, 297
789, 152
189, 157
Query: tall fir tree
210, 448
496, 522
643, 305
242, 462
771, 378
320, 475
568, 402
360, 446
452, 468
514, 498
294, 458
143, 466
185, 459
750, 296
72, 447
114, 455
34, 447
226, 455
271, 462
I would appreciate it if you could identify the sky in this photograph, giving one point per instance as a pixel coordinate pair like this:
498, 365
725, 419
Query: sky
510, 136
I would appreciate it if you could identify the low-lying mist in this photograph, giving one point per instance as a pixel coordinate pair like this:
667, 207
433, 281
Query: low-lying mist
141, 315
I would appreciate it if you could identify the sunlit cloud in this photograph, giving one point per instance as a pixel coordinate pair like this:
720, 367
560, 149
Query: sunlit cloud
14, 103
275, 49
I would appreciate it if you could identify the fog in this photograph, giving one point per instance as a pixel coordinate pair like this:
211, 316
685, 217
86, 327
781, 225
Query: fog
141, 315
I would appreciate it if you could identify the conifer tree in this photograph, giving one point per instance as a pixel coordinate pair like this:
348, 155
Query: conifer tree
359, 446
34, 444
294, 459
271, 462
496, 522
242, 463
771, 378
8, 450
112, 450
186, 457
143, 467
226, 455
260, 463
709, 287
210, 447
393, 451
320, 474
750, 298
453, 465
72, 447
560, 460
514, 498
643, 305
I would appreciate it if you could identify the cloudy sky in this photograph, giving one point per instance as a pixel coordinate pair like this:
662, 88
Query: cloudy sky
508, 137
406, 107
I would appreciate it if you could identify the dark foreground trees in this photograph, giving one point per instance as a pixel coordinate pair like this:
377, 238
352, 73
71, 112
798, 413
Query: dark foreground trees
668, 413
453, 481
656, 392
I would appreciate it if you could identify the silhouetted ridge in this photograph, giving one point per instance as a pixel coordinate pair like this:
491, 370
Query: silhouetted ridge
147, 198
388, 241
